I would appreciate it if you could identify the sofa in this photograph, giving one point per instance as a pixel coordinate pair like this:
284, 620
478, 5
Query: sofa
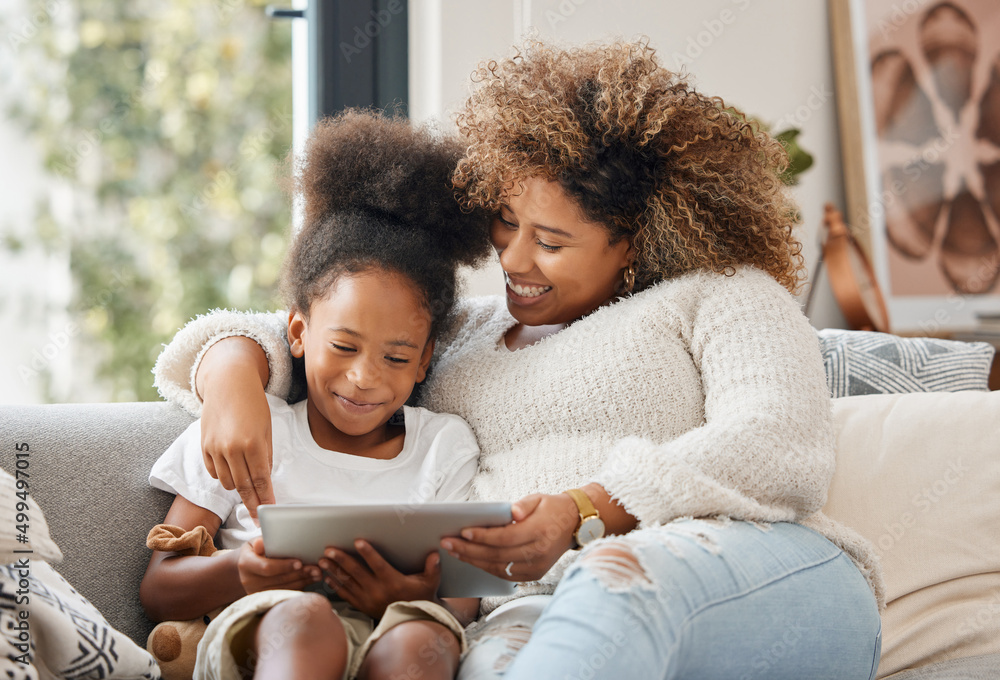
909, 414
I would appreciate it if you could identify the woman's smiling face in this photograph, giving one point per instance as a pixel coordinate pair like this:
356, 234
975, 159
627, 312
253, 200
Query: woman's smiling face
558, 266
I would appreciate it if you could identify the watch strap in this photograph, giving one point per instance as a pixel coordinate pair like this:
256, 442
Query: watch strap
586, 509
583, 504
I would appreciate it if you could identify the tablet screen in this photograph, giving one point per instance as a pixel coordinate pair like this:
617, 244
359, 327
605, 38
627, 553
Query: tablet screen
403, 535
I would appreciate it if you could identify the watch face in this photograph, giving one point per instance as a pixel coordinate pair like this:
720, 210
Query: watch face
592, 528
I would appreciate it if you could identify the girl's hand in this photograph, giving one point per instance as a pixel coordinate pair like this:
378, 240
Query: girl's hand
374, 585
258, 572
542, 531
236, 420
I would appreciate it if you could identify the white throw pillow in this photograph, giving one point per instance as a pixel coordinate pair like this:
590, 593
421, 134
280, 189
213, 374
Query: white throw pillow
24, 533
919, 476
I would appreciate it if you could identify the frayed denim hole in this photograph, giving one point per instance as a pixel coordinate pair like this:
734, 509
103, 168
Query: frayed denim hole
513, 638
617, 567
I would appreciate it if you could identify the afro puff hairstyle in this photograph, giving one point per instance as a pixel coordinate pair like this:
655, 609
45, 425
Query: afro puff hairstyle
377, 194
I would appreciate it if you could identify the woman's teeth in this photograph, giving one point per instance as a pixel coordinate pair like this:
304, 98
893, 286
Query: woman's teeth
527, 291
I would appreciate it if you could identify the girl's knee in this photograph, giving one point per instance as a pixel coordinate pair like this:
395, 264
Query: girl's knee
411, 648
307, 616
425, 640
301, 637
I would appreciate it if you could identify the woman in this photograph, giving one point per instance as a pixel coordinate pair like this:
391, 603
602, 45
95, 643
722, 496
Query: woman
647, 353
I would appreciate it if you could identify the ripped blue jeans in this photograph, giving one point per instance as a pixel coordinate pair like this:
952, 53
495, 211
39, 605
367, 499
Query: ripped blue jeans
693, 599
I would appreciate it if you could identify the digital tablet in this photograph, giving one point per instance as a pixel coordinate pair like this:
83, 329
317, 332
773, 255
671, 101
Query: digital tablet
402, 534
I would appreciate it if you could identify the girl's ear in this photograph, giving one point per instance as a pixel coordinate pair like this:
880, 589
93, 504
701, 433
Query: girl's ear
296, 333
425, 361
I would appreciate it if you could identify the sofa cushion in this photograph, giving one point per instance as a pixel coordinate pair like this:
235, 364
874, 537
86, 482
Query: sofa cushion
919, 476
90, 474
861, 362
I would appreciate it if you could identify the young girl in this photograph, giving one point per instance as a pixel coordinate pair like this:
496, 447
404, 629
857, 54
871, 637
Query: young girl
370, 281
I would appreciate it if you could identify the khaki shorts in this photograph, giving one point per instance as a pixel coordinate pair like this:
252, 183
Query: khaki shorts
223, 650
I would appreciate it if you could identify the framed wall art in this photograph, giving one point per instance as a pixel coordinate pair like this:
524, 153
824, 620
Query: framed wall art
918, 85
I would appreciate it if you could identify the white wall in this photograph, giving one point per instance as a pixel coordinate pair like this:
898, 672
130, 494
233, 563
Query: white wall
771, 58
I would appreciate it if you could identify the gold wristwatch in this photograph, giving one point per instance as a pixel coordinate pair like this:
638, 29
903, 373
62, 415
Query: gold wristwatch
591, 526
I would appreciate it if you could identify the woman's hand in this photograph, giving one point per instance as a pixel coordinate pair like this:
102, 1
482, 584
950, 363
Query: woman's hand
259, 572
542, 531
374, 585
236, 419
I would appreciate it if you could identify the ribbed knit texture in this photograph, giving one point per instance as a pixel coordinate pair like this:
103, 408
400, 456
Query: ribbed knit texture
702, 396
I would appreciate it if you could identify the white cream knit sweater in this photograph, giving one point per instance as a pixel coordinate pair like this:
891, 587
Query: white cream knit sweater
702, 396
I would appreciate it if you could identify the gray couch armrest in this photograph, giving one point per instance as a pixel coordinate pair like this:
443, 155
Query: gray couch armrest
89, 467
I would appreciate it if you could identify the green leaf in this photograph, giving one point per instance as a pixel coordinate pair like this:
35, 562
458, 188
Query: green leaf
799, 160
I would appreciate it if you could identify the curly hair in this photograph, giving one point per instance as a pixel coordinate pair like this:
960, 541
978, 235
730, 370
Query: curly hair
377, 194
693, 184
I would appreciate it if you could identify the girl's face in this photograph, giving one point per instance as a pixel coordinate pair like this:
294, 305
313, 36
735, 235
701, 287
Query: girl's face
366, 344
558, 266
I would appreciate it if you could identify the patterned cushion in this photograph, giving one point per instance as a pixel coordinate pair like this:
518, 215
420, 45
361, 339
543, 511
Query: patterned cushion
49, 630
860, 362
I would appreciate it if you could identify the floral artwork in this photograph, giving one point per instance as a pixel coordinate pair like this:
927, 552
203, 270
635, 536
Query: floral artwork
935, 78
918, 84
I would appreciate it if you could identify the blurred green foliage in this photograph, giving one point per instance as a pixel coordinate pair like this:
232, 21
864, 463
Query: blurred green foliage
799, 160
164, 125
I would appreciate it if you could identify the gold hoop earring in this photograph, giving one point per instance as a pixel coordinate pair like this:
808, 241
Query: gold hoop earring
629, 279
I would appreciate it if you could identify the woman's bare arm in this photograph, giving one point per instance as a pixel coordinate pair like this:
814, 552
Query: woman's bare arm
236, 420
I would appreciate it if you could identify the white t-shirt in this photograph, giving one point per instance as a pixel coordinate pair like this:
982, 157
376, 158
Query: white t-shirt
440, 457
